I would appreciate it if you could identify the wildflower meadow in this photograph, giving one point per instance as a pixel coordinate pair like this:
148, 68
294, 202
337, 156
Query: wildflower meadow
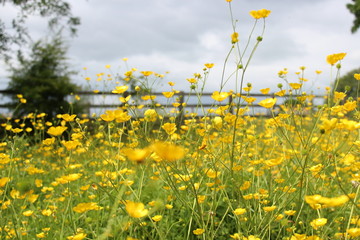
158, 171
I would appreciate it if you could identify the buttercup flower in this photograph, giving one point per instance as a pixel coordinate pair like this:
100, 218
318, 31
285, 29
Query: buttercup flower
84, 207
334, 58
317, 223
239, 211
137, 155
156, 218
269, 209
120, 89
56, 131
268, 103
262, 13
136, 210
168, 151
357, 76
220, 96
198, 231
234, 37
78, 236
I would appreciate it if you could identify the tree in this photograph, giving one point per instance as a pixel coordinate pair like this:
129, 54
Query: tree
15, 33
43, 80
354, 8
349, 84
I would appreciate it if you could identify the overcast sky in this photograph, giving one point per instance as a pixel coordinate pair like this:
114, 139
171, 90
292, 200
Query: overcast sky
180, 36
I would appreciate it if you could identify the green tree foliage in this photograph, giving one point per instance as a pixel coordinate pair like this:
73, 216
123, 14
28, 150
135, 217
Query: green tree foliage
349, 84
15, 32
44, 80
354, 8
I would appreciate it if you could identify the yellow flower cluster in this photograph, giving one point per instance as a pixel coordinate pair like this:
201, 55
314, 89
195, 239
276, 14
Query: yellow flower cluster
334, 58
262, 13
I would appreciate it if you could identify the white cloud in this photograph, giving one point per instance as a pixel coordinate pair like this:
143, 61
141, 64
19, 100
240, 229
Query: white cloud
180, 36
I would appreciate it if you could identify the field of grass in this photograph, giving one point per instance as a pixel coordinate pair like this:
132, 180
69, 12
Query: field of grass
227, 175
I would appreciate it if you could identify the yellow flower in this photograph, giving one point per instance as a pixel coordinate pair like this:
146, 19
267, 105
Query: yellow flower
353, 232
295, 86
239, 211
334, 58
48, 141
201, 198
234, 37
68, 178
124, 99
268, 103
136, 210
168, 151
191, 80
41, 235
339, 96
265, 90
78, 236
357, 76
269, 209
274, 162
246, 185
218, 122
290, 212
148, 97
251, 237
236, 236
317, 201
329, 124
280, 93
28, 213
249, 99
70, 145
198, 231
168, 94
319, 222
137, 154
262, 13
169, 128
211, 173
84, 207
68, 117
150, 115
118, 115
120, 89
220, 96
32, 198
46, 212
156, 218
3, 181
247, 89
56, 131
209, 65
228, 0
146, 73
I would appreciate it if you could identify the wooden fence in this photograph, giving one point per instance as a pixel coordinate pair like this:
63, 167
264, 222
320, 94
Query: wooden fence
181, 96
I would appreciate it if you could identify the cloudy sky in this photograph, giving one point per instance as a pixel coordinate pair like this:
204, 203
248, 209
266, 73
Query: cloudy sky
180, 36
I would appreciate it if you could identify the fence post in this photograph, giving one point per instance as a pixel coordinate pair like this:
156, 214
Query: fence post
180, 116
231, 109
